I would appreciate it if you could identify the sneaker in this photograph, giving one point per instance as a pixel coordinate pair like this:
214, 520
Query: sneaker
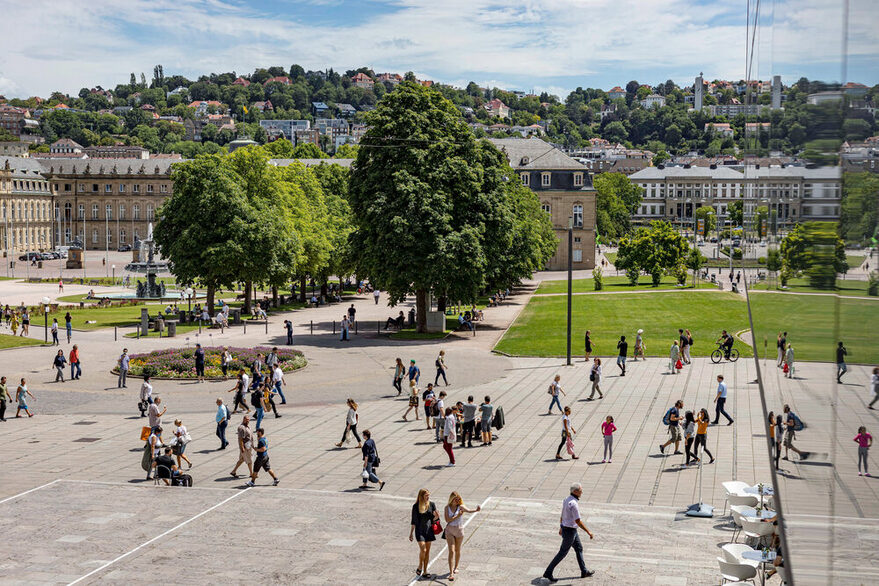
661, 449
551, 579
587, 573
449, 465
249, 483
275, 483
867, 474
604, 461
610, 461
860, 473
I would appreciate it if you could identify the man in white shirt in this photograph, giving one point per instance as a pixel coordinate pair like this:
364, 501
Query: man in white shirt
570, 520
279, 382
440, 418
720, 400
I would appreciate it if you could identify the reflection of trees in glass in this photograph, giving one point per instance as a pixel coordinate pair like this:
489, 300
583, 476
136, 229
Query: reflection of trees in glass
816, 250
857, 220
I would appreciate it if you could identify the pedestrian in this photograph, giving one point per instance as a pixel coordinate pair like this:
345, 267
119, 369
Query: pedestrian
60, 286
351, 421
21, 395
607, 429
874, 383
60, 363
375, 295
454, 515
75, 365
199, 362
684, 340
554, 390
595, 377
567, 436
4, 397
124, 362
702, 421
720, 401
225, 361
623, 347
256, 400
413, 401
791, 422
864, 441
449, 434
13, 324
371, 461
239, 389
569, 522
639, 346
439, 415
429, 399
789, 360
399, 373
288, 325
262, 459
182, 435
68, 325
485, 412
425, 518
781, 345
689, 438
25, 323
256, 370
154, 413
841, 367
343, 331
351, 313
441, 369
588, 345
674, 356
468, 423
414, 372
153, 448
245, 445
775, 436
223, 417
55, 341
278, 383
672, 417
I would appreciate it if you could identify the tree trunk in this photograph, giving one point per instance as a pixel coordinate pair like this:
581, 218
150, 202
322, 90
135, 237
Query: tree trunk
275, 296
302, 286
210, 299
324, 290
248, 297
441, 304
421, 311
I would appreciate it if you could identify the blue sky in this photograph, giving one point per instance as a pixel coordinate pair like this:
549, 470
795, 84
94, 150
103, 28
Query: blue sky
551, 45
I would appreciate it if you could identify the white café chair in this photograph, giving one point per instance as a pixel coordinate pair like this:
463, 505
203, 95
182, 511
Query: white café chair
736, 572
732, 553
738, 512
736, 495
752, 527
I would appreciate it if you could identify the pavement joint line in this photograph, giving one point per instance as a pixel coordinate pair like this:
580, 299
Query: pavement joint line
29, 491
157, 537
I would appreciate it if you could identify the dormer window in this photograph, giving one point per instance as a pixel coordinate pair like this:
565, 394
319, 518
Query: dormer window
578, 180
545, 179
525, 160
526, 179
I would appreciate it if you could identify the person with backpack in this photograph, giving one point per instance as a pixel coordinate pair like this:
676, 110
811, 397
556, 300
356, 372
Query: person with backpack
684, 342
262, 459
595, 377
792, 425
468, 423
623, 347
554, 390
223, 417
441, 369
256, 399
671, 419
414, 372
399, 372
720, 401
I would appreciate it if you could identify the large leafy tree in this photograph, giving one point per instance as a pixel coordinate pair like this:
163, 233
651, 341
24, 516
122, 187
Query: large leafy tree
815, 248
430, 203
654, 250
617, 198
736, 213
857, 220
706, 213
333, 180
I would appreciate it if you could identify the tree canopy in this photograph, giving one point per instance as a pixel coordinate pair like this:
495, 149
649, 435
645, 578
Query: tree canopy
654, 250
616, 200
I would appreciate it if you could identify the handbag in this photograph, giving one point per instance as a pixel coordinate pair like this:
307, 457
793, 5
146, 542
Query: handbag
679, 365
784, 368
437, 527
592, 376
186, 438
145, 433
376, 462
569, 443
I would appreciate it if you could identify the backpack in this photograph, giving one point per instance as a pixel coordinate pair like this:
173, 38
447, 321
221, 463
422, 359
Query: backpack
666, 419
437, 362
798, 423
228, 413
592, 376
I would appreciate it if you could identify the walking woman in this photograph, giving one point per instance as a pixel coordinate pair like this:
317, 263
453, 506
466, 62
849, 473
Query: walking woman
639, 346
413, 401
68, 324
351, 424
424, 515
554, 390
690, 437
607, 429
441, 368
588, 343
25, 322
775, 435
399, 373
59, 363
864, 441
21, 395
454, 515
779, 344
449, 434
595, 377
688, 347
789, 360
182, 435
225, 361
702, 421
567, 436
13, 325
674, 355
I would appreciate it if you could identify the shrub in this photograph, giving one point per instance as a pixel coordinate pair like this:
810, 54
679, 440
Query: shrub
873, 285
632, 274
178, 362
761, 260
680, 274
656, 277
596, 279
785, 275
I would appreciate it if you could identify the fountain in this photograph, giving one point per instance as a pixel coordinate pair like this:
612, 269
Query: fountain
149, 289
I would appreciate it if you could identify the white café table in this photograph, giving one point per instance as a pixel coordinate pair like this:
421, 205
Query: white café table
757, 556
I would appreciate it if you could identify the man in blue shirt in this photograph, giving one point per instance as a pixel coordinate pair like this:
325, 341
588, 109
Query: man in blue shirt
720, 400
570, 537
222, 421
414, 372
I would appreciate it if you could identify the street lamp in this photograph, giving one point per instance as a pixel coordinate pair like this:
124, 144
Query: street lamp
46, 318
570, 278
188, 292
114, 275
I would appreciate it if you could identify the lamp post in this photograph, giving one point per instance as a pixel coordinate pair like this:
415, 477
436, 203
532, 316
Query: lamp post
114, 275
46, 318
570, 279
188, 292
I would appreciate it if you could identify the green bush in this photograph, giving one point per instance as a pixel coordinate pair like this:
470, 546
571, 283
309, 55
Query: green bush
596, 279
632, 274
150, 371
785, 275
873, 286
761, 260
656, 277
680, 274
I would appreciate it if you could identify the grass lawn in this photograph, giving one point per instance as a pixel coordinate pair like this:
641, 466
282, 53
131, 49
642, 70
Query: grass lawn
810, 321
854, 260
843, 287
7, 341
411, 334
181, 329
540, 328
122, 316
620, 283
611, 257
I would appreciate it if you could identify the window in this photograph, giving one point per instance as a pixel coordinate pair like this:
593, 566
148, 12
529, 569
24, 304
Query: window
578, 215
82, 211
576, 239
108, 212
81, 187
94, 211
67, 234
121, 188
578, 255
135, 188
546, 208
68, 209
121, 211
149, 212
108, 188
149, 188
94, 187
94, 236
109, 238
164, 189
135, 211
66, 187
122, 236
578, 179
545, 179
526, 179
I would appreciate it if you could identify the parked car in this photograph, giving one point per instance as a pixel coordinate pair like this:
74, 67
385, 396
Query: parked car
31, 256
714, 239
51, 255
124, 248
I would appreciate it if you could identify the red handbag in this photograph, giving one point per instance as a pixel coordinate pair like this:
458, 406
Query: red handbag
437, 527
679, 365
784, 368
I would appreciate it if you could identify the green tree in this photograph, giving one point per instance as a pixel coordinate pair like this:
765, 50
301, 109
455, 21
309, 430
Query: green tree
761, 219
860, 192
652, 249
708, 216
346, 151
307, 150
694, 261
735, 211
617, 198
773, 260
815, 248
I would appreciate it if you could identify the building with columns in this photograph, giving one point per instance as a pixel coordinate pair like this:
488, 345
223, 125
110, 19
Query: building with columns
25, 207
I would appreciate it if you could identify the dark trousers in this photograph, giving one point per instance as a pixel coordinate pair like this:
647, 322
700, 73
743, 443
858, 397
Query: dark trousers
75, 366
691, 454
221, 433
353, 429
564, 441
700, 441
289, 338
398, 384
272, 404
55, 338
440, 372
570, 538
720, 410
467, 432
239, 400
3, 409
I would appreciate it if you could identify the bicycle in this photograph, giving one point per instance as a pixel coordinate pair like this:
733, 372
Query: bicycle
719, 354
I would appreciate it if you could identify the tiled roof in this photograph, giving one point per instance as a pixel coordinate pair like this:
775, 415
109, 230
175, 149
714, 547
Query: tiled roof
533, 153
23, 167
657, 173
108, 166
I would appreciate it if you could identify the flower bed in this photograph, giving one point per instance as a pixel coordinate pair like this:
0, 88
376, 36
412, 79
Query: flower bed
179, 363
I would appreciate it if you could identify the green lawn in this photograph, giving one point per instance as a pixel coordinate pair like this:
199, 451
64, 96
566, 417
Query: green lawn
540, 328
854, 260
7, 341
843, 287
611, 257
126, 315
620, 283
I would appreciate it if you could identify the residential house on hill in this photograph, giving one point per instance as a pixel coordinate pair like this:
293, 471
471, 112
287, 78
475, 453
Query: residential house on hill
616, 92
496, 107
391, 78
241, 81
362, 80
279, 79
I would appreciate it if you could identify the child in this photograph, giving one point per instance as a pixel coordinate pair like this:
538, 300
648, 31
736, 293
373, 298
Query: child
607, 429
865, 440
413, 401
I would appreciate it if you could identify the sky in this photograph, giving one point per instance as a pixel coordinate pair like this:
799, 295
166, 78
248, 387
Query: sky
550, 45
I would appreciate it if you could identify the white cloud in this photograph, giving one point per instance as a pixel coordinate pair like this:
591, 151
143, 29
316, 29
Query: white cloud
535, 43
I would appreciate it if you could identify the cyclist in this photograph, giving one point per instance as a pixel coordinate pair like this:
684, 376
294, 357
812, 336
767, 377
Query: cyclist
726, 342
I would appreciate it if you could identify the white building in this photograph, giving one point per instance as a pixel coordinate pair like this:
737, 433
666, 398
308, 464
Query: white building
653, 101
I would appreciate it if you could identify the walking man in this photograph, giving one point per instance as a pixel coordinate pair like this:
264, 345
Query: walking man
720, 401
370, 460
245, 444
554, 390
199, 362
279, 382
621, 359
239, 388
684, 344
570, 520
343, 337
262, 459
288, 325
673, 416
55, 341
223, 417
4, 396
790, 425
414, 372
154, 414
841, 368
123, 369
75, 368
782, 345
351, 313
375, 295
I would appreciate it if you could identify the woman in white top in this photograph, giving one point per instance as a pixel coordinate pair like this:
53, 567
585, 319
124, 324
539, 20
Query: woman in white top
595, 377
449, 436
454, 513
567, 434
225, 361
351, 423
875, 383
674, 354
182, 436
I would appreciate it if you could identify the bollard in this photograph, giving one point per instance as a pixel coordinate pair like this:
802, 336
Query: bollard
267, 326
115, 334
474, 330
334, 326
312, 327
245, 327
355, 326
378, 327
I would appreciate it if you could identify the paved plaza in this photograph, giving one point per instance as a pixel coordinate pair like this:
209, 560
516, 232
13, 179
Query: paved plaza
74, 505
